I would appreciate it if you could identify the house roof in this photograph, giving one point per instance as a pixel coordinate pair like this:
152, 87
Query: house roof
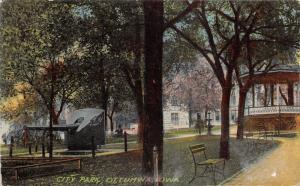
86, 116
54, 128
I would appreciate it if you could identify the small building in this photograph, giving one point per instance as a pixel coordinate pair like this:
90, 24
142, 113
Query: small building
82, 125
90, 125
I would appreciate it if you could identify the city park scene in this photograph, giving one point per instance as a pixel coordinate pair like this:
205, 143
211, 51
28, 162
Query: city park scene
150, 92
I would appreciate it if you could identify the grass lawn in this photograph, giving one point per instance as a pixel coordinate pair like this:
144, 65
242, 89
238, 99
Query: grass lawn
110, 139
178, 165
4, 150
167, 134
187, 131
20, 149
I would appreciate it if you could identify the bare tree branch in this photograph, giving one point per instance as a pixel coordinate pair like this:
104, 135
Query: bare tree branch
173, 21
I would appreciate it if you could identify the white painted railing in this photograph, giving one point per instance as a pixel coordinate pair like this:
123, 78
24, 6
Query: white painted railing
272, 110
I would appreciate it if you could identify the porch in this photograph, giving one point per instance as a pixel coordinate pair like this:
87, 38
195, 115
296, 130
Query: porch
279, 109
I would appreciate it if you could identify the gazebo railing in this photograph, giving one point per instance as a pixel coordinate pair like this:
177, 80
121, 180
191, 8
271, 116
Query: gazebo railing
272, 110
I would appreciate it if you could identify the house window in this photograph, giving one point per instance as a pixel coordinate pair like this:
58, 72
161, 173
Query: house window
232, 117
174, 118
174, 101
217, 116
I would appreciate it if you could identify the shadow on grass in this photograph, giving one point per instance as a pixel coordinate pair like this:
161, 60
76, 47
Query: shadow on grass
178, 164
178, 159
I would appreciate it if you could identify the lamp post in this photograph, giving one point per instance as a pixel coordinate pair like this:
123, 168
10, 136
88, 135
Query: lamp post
209, 125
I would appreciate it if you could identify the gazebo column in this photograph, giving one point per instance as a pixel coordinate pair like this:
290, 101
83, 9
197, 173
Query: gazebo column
277, 94
290, 93
258, 98
265, 95
237, 96
296, 95
253, 95
272, 94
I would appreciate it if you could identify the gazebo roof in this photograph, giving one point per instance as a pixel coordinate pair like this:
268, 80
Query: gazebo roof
279, 74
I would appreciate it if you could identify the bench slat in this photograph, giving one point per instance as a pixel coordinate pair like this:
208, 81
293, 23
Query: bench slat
201, 149
197, 146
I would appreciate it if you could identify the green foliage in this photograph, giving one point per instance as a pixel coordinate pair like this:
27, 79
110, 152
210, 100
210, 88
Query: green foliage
107, 45
178, 56
39, 49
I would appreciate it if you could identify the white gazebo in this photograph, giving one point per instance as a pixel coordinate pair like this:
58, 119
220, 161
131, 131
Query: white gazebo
274, 98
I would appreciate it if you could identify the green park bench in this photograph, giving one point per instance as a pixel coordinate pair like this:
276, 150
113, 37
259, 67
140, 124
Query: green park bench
263, 132
211, 166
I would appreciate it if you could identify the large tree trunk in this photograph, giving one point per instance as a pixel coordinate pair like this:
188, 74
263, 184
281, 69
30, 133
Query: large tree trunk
111, 123
140, 110
105, 116
205, 113
225, 103
241, 110
153, 129
104, 91
190, 108
105, 105
285, 99
138, 79
53, 120
51, 135
51, 111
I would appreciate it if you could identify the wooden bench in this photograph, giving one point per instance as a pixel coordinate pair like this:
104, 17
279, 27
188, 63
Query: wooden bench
263, 132
210, 165
254, 138
251, 140
57, 164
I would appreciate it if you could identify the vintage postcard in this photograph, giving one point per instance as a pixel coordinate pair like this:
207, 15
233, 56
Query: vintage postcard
150, 92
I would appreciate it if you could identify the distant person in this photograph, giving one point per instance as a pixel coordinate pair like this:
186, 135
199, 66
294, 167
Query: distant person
25, 136
119, 131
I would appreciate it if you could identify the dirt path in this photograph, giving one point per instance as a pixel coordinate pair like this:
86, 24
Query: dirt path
281, 167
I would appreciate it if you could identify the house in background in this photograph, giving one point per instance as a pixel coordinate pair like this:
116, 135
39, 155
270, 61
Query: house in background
175, 114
